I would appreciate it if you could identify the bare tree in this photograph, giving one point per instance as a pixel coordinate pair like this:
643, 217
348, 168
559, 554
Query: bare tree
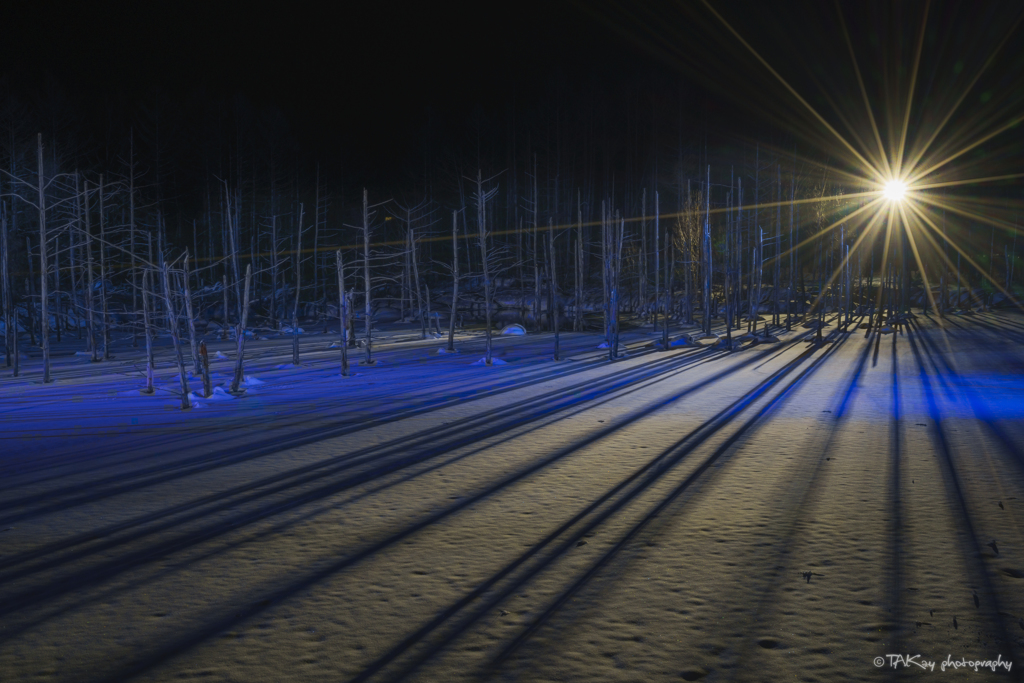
481, 216
455, 281
554, 283
342, 315
240, 336
172, 322
298, 290
187, 291
10, 316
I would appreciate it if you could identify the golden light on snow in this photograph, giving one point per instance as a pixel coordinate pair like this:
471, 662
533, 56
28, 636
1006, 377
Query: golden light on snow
894, 190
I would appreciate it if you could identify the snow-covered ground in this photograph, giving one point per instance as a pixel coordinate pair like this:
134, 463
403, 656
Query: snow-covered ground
786, 511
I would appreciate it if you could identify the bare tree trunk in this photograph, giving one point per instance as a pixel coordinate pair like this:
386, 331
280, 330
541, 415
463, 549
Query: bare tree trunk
172, 323
191, 319
316, 243
240, 337
75, 255
776, 319
131, 248
10, 331
148, 331
342, 314
605, 275
90, 306
205, 360
791, 296
44, 317
554, 284
416, 277
577, 323
644, 307
103, 272
670, 266
224, 289
657, 264
482, 222
707, 255
298, 290
616, 281
536, 252
657, 275
273, 272
455, 281
368, 306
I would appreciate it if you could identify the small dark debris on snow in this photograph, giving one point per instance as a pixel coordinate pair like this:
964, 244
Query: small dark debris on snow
994, 547
954, 623
977, 603
580, 543
504, 613
920, 424
1000, 504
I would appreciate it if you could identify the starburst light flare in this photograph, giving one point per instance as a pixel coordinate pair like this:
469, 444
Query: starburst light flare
895, 190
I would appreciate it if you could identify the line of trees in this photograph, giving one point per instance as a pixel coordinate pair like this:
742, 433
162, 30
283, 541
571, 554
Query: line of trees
89, 254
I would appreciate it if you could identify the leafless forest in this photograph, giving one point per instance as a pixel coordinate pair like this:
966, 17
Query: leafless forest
119, 243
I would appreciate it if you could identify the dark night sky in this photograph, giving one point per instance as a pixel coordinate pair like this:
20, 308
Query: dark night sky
361, 80
358, 78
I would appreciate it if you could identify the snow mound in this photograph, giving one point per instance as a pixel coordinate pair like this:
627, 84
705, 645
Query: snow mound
221, 356
622, 349
444, 350
87, 354
285, 366
288, 330
251, 381
219, 394
517, 330
494, 361
682, 341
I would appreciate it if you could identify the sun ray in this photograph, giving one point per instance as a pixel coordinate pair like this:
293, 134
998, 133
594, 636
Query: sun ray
910, 94
788, 87
964, 150
981, 218
967, 257
969, 181
916, 157
924, 280
864, 93
917, 258
868, 230
819, 235
877, 312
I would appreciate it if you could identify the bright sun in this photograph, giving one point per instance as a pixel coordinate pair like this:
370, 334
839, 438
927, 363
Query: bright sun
894, 190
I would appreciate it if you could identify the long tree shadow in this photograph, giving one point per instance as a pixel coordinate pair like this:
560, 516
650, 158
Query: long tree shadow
566, 536
438, 440
799, 495
955, 490
217, 624
158, 474
155, 448
106, 571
